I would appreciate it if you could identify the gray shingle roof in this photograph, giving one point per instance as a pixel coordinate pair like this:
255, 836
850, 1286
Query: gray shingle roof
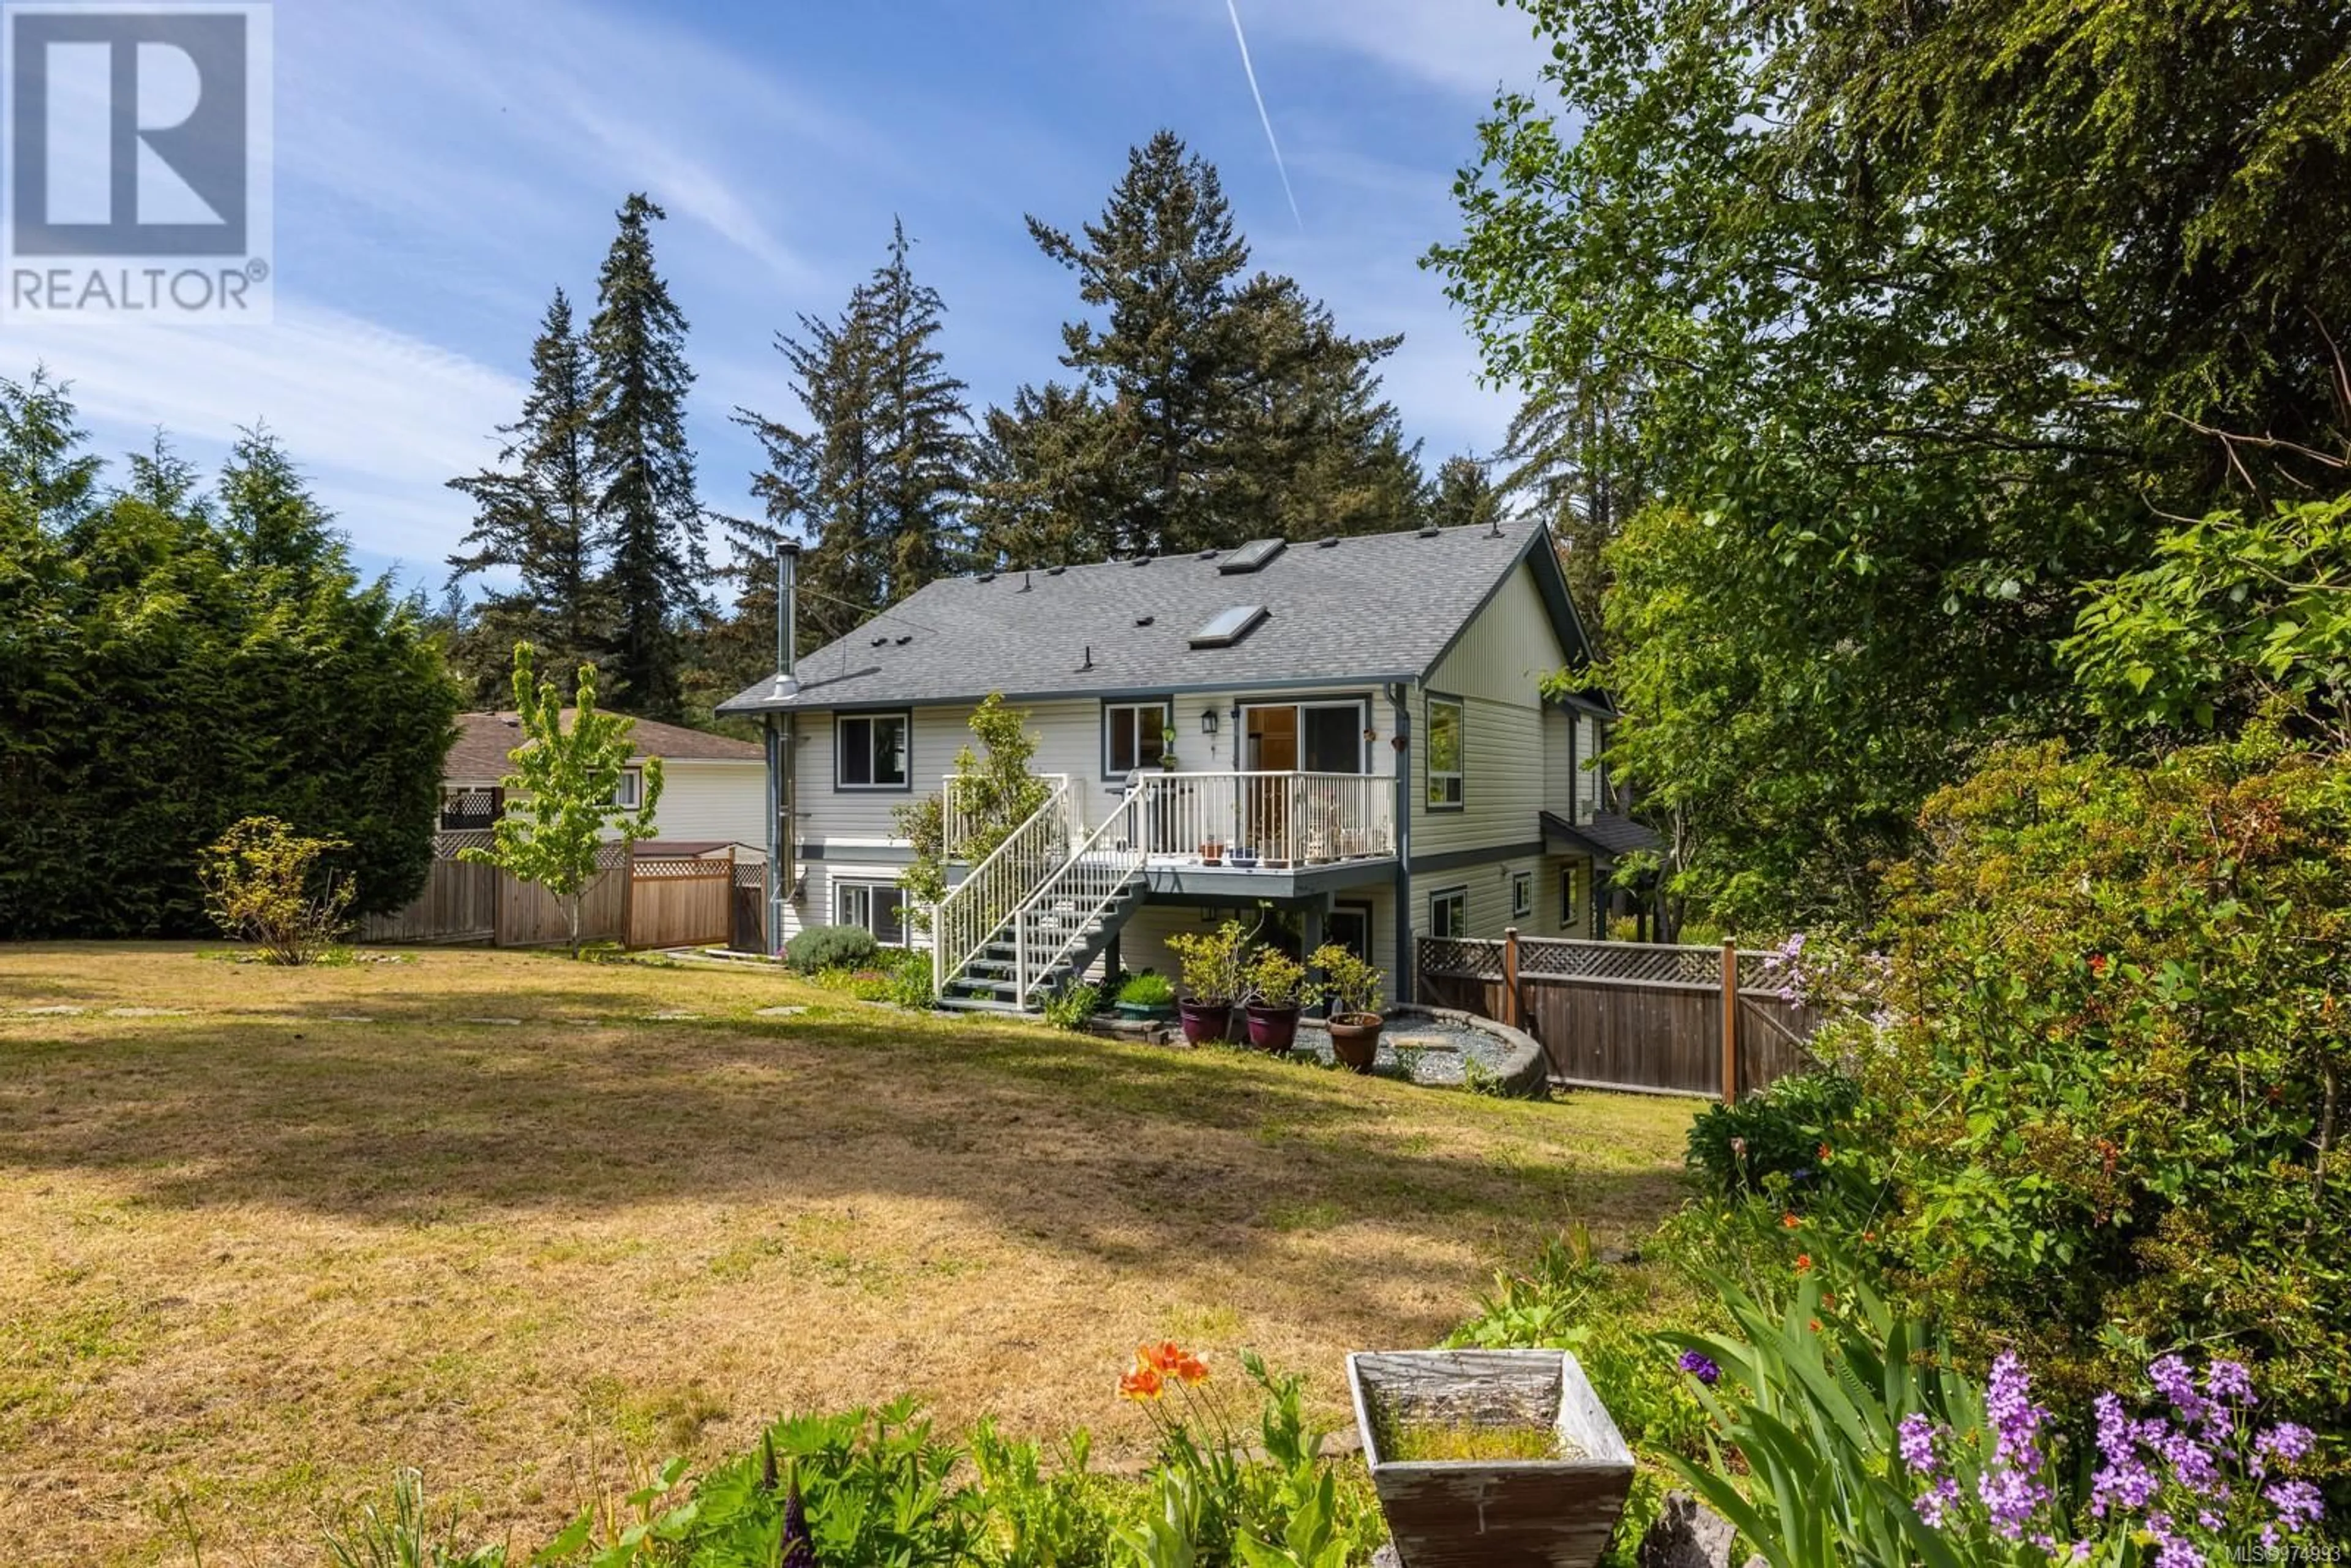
483, 739
1371, 606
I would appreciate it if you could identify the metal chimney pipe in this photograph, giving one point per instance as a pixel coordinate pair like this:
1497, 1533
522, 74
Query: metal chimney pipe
787, 613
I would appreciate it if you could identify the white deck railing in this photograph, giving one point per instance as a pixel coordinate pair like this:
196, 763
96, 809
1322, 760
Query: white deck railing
1272, 820
976, 908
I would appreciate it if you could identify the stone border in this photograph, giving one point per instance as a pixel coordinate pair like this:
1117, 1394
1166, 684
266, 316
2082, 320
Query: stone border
1525, 1071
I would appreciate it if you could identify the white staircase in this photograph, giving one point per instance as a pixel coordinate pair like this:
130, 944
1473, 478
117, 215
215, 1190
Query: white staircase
1037, 911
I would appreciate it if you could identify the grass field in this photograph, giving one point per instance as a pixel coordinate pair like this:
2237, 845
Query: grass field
527, 1225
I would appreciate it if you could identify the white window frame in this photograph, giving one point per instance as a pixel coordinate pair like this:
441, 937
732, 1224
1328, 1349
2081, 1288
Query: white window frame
1130, 715
1458, 775
629, 790
862, 889
841, 726
1522, 894
1438, 900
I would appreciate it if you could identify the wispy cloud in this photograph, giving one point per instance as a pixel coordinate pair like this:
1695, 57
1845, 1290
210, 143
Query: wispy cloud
1233, 9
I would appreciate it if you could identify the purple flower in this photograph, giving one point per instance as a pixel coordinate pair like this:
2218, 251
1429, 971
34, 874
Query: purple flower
2297, 1504
2172, 1379
2172, 1550
1915, 1435
1700, 1366
2008, 1401
2229, 1380
2012, 1497
2193, 1464
1934, 1504
2286, 1441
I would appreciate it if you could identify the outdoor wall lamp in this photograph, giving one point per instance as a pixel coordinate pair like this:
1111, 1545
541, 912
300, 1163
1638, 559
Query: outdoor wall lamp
1208, 721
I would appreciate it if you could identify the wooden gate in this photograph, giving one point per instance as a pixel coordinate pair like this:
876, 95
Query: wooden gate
677, 903
1627, 1015
749, 923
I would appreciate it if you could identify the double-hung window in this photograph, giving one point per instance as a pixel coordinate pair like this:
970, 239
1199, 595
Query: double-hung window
1445, 767
629, 792
1135, 735
875, 906
871, 752
1522, 894
1448, 913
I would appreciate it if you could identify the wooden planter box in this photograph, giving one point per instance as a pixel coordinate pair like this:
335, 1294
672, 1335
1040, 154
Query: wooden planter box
1494, 1513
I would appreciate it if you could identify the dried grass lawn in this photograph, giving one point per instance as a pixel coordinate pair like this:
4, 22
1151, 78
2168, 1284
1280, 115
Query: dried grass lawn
526, 1224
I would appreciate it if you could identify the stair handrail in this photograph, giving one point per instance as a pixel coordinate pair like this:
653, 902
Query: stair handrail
977, 908
1097, 873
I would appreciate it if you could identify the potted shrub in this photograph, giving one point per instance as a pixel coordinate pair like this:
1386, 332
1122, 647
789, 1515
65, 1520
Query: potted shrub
1278, 990
1354, 988
1213, 964
1146, 996
1503, 1458
1167, 750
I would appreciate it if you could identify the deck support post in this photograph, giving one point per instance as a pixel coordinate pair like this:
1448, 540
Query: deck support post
1730, 1023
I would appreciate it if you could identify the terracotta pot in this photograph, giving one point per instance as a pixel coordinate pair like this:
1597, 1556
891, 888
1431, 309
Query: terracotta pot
1356, 1038
1272, 1029
1205, 1021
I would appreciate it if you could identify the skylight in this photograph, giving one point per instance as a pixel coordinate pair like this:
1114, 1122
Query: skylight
1227, 627
1251, 555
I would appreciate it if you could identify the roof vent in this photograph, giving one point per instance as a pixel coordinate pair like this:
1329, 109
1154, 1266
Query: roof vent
1252, 556
1055, 571
880, 641
1227, 627
1331, 543
906, 639
1425, 533
1140, 560
1144, 619
1207, 555
985, 577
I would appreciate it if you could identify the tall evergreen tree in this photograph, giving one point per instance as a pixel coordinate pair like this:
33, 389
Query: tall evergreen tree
536, 513
1573, 455
1461, 494
877, 481
1041, 471
1218, 406
651, 521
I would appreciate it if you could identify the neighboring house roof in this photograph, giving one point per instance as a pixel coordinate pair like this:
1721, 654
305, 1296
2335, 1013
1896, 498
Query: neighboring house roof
1372, 607
1609, 837
483, 739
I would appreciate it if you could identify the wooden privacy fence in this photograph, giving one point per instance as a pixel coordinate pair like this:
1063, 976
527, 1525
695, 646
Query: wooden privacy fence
651, 902
680, 903
1627, 1015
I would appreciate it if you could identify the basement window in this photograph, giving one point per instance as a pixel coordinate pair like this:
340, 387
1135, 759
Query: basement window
875, 906
1227, 627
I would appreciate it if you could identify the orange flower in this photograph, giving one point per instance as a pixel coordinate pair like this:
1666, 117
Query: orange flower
1816, 1325
1789, 1220
1142, 1384
1161, 1357
1191, 1370
1823, 1154
1828, 1297
1804, 1262
1869, 1236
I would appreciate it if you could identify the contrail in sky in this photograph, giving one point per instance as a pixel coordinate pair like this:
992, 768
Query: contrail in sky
1233, 10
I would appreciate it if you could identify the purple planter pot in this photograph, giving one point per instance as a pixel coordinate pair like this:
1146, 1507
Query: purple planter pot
1272, 1029
1205, 1021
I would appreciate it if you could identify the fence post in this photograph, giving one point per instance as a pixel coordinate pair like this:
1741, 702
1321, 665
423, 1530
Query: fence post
1730, 1023
1509, 977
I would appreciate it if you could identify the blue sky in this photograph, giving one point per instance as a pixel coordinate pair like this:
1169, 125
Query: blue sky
443, 165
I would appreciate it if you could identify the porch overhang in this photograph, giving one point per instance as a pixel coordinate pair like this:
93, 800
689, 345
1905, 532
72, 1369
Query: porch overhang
1606, 838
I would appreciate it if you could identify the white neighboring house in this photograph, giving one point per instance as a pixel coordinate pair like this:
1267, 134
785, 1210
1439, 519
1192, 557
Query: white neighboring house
1352, 730
714, 787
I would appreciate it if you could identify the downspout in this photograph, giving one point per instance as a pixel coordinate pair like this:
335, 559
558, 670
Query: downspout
1404, 978
783, 749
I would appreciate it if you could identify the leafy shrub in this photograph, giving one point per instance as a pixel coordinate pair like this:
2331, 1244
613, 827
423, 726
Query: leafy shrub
1147, 990
2103, 1087
910, 979
1352, 984
1275, 979
1778, 1131
1214, 962
1073, 1005
830, 947
263, 884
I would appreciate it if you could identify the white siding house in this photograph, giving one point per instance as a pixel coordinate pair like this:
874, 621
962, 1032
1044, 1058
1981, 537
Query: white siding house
1373, 739
714, 787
